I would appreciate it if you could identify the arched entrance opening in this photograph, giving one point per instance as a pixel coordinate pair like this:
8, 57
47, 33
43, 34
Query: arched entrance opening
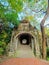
26, 39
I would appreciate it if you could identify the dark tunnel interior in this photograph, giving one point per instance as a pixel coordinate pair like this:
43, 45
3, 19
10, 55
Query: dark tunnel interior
25, 38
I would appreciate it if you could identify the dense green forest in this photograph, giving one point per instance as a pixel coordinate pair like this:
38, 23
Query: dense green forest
13, 11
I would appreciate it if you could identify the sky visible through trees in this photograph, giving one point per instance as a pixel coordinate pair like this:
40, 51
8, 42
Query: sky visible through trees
33, 10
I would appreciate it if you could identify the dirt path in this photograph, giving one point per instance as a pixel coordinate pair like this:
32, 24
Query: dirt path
24, 61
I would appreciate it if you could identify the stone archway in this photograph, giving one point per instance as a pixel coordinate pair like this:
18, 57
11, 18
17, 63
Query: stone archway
32, 42
27, 36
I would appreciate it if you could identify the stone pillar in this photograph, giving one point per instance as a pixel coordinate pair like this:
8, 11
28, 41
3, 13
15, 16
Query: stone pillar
32, 45
15, 43
37, 49
11, 52
13, 47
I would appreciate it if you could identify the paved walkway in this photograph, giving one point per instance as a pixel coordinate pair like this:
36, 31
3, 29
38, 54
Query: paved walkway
24, 51
24, 61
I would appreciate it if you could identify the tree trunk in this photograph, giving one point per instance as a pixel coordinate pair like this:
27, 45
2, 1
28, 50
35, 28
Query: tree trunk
43, 42
43, 37
43, 34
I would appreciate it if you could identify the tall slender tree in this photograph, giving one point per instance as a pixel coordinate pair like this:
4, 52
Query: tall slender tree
43, 33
